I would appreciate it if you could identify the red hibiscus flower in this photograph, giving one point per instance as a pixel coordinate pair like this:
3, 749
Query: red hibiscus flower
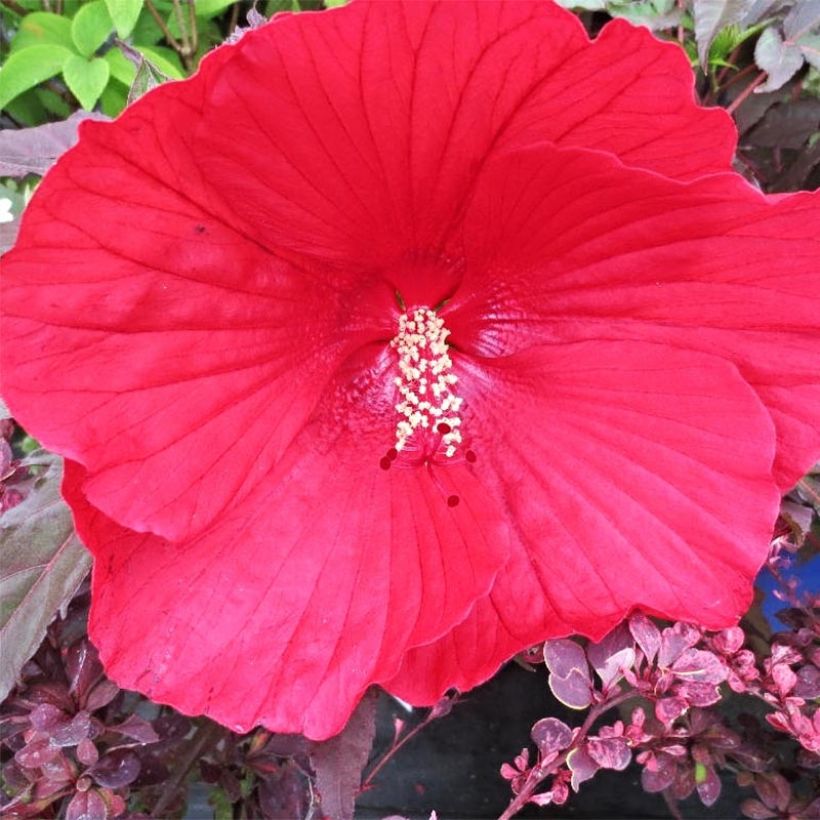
403, 336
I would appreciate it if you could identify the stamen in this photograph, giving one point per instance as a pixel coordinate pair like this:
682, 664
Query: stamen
427, 382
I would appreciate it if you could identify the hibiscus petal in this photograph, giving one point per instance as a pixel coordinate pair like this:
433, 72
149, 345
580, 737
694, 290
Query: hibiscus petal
636, 476
361, 132
591, 249
305, 592
166, 351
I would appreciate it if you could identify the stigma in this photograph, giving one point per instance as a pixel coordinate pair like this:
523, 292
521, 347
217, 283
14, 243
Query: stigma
428, 407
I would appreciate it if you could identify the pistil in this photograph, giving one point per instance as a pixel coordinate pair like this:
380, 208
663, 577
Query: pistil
428, 406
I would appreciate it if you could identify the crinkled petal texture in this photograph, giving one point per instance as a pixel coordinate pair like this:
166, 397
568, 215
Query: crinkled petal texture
199, 313
644, 338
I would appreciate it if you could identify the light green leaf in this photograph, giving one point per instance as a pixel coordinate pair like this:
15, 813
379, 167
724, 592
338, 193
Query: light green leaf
42, 28
164, 59
86, 79
91, 26
29, 67
122, 68
124, 14
43, 564
147, 77
332, 4
210, 8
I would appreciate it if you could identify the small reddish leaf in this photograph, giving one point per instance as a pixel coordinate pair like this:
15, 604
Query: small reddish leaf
613, 653
708, 784
669, 709
700, 666
784, 678
569, 678
551, 735
660, 777
339, 761
646, 635
70, 734
609, 752
674, 641
35, 754
87, 752
582, 766
86, 805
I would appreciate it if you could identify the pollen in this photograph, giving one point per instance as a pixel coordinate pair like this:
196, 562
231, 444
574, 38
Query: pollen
426, 382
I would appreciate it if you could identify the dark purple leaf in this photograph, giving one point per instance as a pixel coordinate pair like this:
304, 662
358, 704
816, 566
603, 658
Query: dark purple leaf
646, 635
551, 735
569, 678
779, 59
708, 784
284, 793
711, 16
71, 733
101, 695
808, 682
774, 790
87, 752
755, 810
34, 150
339, 762
43, 564
613, 653
83, 668
136, 728
582, 766
609, 752
35, 754
116, 769
46, 716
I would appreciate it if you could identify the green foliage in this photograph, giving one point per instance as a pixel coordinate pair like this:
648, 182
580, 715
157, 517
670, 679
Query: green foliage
86, 79
90, 27
124, 15
79, 50
29, 67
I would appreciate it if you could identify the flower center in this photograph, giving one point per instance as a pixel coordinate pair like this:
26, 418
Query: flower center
428, 407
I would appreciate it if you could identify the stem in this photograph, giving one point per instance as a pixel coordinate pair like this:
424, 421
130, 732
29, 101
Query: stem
12, 5
207, 734
194, 34
390, 753
809, 491
744, 95
170, 39
538, 775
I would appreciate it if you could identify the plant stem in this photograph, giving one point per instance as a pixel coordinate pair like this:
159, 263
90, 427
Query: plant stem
390, 753
170, 39
744, 95
207, 734
538, 775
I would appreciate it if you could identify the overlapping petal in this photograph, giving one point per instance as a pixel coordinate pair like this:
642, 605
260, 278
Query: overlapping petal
568, 245
635, 475
306, 591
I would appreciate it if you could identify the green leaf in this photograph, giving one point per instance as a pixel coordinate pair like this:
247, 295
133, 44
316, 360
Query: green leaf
147, 77
43, 563
29, 67
124, 14
122, 69
43, 28
86, 79
164, 59
114, 98
91, 26
210, 8
332, 4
